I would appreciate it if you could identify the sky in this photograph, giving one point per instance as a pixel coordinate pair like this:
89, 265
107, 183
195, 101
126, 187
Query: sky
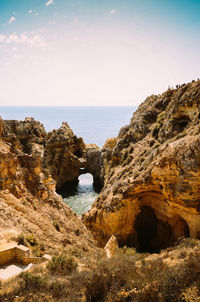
95, 52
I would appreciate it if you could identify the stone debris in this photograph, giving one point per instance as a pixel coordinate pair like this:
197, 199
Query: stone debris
111, 246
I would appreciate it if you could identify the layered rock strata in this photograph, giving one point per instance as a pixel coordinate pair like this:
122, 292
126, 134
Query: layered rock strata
151, 195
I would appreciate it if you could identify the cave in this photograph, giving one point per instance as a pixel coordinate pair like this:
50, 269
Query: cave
146, 228
154, 234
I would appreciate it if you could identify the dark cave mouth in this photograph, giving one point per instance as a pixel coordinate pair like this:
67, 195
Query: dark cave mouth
154, 234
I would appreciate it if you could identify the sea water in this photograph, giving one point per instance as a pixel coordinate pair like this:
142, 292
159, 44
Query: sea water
93, 124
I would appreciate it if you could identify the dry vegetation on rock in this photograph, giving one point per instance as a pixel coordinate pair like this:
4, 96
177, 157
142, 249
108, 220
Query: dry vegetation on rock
173, 275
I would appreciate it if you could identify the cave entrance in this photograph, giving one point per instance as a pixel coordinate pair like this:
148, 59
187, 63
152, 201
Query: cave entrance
154, 234
146, 228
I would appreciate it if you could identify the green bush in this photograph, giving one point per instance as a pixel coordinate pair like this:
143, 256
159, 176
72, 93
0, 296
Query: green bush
62, 264
21, 239
32, 282
31, 240
128, 251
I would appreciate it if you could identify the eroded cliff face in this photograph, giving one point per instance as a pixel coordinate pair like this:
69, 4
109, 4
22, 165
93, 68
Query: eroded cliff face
28, 201
62, 156
28, 136
151, 195
1, 127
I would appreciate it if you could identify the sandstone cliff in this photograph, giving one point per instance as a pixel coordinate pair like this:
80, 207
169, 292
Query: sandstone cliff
28, 201
62, 152
28, 136
151, 195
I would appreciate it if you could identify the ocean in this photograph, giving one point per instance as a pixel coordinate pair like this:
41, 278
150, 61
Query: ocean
93, 124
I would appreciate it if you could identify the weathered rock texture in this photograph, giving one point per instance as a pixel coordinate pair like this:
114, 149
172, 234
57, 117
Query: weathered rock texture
1, 127
28, 201
67, 157
94, 164
28, 136
62, 153
151, 195
111, 247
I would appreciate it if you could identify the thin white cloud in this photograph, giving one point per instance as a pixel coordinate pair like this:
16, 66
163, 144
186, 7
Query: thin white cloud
52, 22
113, 11
75, 20
11, 20
30, 40
2, 38
30, 11
49, 2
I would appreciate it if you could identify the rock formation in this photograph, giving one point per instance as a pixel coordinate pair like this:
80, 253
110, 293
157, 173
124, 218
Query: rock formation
64, 155
1, 127
28, 201
94, 164
111, 247
28, 136
151, 195
67, 157
62, 152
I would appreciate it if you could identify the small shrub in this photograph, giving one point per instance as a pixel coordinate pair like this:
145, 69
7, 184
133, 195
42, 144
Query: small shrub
31, 240
33, 282
21, 239
37, 251
191, 294
129, 251
75, 251
62, 264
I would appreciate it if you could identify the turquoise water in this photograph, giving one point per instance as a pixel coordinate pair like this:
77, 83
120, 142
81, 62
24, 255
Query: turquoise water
85, 196
94, 124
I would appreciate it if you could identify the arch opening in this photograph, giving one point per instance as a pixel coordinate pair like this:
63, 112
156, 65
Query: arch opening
84, 196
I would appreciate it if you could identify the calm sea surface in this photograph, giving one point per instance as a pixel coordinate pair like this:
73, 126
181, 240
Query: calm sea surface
93, 124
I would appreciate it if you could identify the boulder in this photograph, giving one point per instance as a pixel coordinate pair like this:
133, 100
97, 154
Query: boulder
111, 247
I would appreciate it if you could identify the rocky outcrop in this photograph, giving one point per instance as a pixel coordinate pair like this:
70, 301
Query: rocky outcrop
1, 127
151, 195
94, 164
28, 136
111, 247
67, 157
63, 156
28, 201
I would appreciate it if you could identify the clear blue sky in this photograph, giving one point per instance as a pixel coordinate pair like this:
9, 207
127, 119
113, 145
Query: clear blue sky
95, 52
